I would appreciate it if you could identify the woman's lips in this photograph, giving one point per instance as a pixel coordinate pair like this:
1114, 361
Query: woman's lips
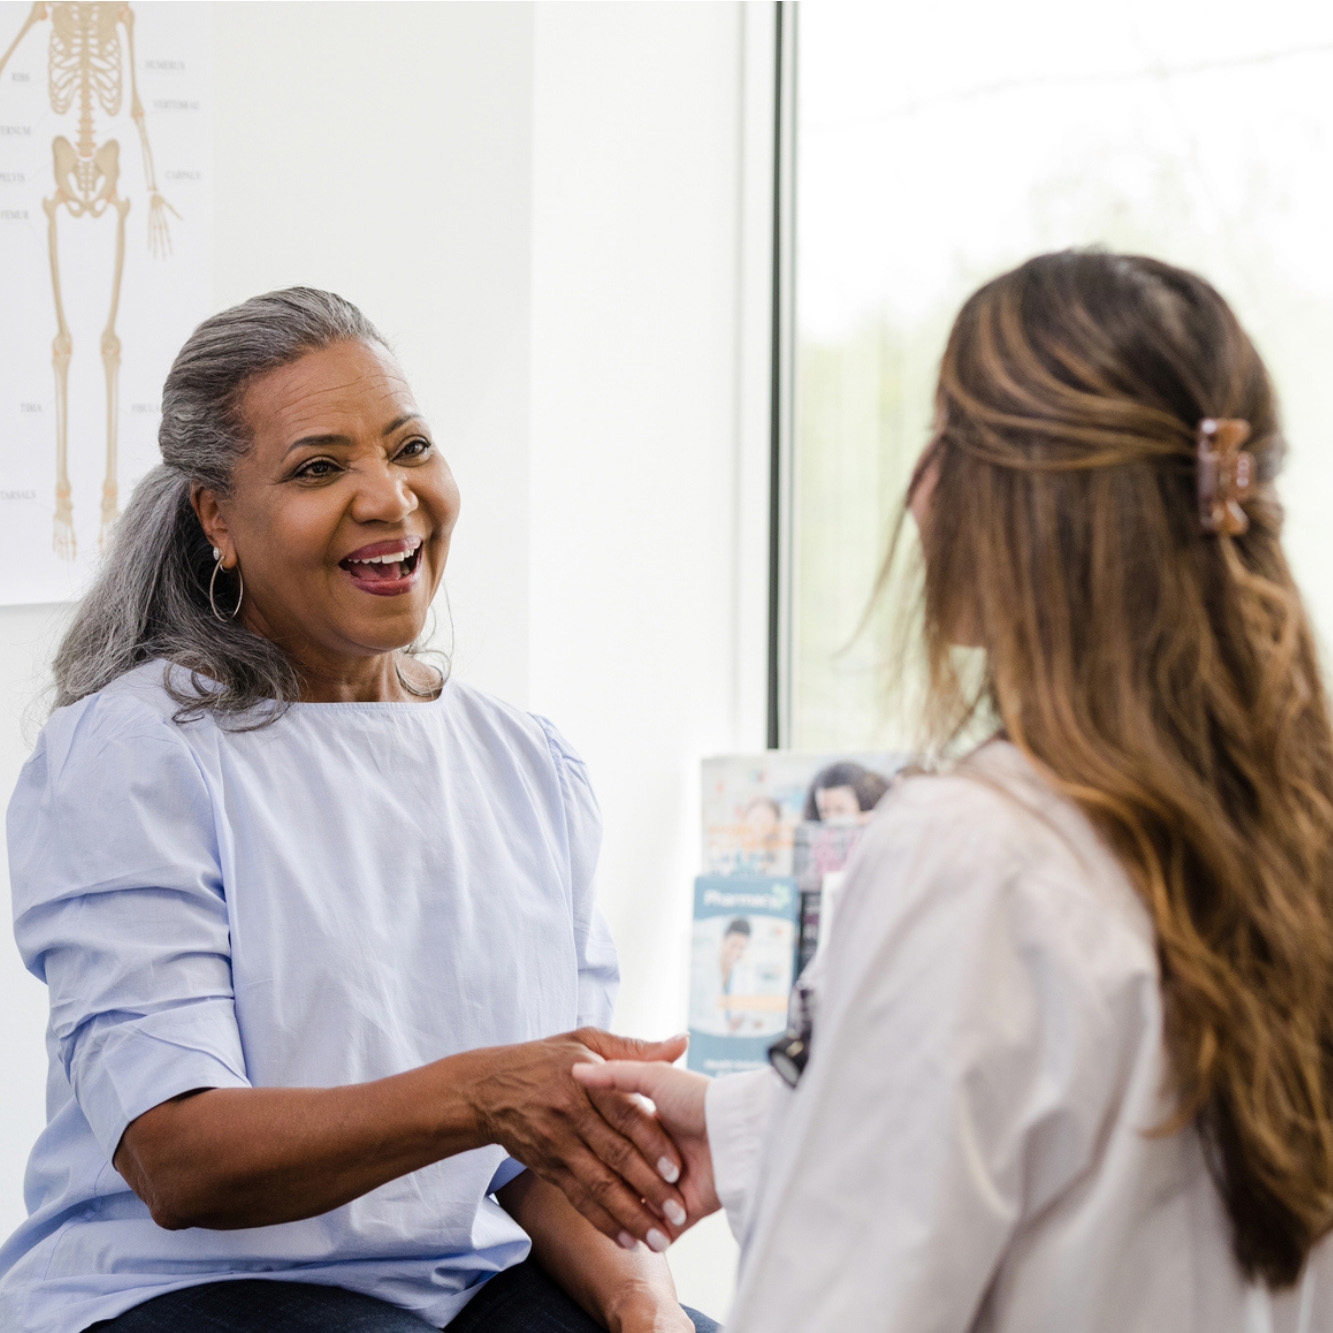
385, 569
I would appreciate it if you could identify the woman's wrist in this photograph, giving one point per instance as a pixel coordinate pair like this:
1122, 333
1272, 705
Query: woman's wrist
452, 1108
645, 1307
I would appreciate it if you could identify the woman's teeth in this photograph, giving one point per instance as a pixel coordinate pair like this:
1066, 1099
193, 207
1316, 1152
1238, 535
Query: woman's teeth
395, 565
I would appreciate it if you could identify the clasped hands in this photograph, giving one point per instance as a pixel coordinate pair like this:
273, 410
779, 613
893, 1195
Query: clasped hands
571, 1109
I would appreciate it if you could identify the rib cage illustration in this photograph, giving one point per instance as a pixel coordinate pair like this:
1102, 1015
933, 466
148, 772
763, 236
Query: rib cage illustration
86, 66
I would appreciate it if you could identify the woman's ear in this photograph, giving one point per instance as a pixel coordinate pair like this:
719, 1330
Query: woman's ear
214, 524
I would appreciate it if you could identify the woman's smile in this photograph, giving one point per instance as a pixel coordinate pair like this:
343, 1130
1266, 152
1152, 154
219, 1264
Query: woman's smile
385, 569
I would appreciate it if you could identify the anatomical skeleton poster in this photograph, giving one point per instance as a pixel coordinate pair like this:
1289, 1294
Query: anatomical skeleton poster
106, 209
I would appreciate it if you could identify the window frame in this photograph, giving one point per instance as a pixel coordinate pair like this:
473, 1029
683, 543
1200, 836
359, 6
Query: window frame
782, 378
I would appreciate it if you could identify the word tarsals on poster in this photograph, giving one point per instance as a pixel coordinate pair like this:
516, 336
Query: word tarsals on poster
106, 212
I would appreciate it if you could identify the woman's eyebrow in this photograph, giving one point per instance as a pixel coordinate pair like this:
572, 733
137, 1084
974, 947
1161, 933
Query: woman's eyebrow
345, 441
319, 442
398, 422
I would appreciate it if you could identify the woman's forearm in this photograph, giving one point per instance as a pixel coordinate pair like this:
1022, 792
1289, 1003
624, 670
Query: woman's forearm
248, 1157
626, 1291
245, 1157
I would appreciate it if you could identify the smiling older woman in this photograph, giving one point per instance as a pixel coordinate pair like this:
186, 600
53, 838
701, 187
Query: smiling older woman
308, 911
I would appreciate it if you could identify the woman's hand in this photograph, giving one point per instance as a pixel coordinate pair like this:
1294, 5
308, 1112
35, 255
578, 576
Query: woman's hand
623, 1291
678, 1096
650, 1316
598, 1144
250, 1157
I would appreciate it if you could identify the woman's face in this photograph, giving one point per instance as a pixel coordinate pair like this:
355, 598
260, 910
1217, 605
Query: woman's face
341, 511
837, 805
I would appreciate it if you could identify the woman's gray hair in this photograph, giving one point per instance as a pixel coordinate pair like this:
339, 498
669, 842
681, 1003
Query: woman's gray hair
151, 596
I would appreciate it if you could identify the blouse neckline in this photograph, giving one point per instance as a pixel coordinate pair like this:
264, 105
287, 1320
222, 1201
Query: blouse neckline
354, 705
375, 704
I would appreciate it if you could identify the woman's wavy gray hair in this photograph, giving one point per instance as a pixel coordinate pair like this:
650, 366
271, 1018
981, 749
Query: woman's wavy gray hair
150, 600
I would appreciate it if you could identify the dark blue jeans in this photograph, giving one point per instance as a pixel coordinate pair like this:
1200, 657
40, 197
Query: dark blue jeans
520, 1300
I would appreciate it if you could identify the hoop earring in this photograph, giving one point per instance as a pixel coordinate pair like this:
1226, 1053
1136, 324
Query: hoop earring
212, 583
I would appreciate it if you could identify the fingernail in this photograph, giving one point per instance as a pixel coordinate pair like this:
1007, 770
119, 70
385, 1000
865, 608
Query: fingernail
675, 1213
657, 1241
668, 1170
627, 1242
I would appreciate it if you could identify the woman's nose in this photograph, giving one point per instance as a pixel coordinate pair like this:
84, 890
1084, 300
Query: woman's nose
383, 495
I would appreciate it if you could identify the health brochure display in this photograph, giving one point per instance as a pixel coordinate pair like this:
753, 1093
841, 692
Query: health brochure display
744, 956
778, 829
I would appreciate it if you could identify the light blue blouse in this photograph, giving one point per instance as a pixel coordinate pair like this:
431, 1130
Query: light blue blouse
351, 892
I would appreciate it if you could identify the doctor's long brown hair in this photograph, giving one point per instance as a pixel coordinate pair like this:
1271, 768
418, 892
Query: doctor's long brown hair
1166, 677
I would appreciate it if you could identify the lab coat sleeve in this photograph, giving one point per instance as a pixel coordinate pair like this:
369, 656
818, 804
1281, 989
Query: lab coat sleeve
962, 1067
737, 1107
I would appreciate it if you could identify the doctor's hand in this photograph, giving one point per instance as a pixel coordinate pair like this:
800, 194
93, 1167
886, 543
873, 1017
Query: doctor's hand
678, 1096
612, 1158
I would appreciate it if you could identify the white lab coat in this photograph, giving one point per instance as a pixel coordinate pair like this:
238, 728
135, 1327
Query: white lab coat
969, 1147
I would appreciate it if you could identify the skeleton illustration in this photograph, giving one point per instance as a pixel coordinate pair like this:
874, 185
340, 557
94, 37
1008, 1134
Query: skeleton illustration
84, 68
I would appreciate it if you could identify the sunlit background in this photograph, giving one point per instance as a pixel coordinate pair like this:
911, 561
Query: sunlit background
941, 145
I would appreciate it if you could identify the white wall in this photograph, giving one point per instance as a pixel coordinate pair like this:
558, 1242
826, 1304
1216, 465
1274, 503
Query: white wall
636, 463
385, 152
546, 210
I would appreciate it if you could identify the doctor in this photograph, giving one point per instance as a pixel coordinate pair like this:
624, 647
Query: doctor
1070, 1045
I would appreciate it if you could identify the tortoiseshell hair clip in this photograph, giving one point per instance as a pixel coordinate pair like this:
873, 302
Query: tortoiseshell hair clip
1226, 475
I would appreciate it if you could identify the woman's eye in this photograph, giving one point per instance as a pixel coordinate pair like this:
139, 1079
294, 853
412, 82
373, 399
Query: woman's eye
417, 448
317, 467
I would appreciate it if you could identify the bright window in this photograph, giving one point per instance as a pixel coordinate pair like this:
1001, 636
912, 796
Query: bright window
940, 145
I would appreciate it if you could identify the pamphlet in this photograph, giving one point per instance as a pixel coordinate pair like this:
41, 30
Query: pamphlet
742, 966
752, 804
778, 829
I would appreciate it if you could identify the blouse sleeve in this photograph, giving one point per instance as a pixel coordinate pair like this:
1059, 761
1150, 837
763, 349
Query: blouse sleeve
119, 908
966, 1060
599, 972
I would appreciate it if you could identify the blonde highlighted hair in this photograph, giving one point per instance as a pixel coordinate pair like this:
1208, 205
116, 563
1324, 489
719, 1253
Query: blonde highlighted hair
1166, 678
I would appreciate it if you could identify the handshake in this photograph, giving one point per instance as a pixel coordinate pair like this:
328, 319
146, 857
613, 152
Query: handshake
572, 1109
